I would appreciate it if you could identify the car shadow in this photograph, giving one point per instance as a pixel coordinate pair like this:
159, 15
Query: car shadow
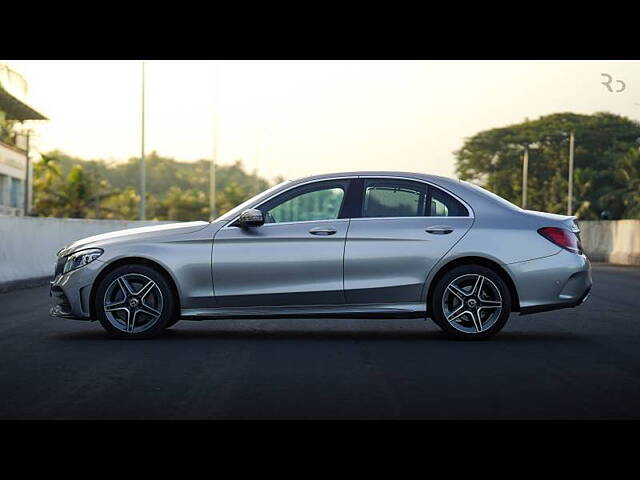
297, 334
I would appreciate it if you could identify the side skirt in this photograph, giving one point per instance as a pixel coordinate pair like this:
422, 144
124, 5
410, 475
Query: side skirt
395, 310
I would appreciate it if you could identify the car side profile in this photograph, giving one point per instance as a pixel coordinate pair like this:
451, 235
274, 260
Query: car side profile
365, 244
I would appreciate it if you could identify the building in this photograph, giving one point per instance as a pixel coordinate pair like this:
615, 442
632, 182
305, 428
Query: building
16, 170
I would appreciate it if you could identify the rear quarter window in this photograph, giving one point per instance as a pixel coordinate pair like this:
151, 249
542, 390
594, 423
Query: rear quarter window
441, 204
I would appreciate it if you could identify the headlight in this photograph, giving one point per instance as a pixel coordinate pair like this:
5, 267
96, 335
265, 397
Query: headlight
81, 258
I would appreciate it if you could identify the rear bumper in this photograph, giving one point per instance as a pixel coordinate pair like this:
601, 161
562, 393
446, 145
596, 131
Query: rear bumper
559, 281
555, 306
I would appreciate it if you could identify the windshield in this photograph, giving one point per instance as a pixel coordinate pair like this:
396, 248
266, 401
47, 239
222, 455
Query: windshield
236, 210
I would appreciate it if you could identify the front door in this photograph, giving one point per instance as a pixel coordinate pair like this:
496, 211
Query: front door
295, 258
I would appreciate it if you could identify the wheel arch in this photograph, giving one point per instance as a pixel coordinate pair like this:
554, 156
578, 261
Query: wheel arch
130, 261
474, 260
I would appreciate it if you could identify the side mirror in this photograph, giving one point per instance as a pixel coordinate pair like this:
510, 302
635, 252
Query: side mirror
251, 218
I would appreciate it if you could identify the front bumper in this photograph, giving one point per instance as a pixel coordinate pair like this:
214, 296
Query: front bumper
559, 281
71, 292
60, 303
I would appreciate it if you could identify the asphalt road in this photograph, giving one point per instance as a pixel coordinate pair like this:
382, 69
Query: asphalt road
570, 364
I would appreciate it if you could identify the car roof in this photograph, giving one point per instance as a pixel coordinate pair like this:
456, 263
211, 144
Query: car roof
455, 186
366, 173
477, 198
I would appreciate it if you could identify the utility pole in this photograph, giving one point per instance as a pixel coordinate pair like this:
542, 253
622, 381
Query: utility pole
570, 193
258, 138
27, 178
143, 187
212, 169
212, 176
525, 168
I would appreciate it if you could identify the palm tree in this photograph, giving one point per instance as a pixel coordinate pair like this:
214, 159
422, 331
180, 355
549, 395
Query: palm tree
627, 192
46, 170
77, 196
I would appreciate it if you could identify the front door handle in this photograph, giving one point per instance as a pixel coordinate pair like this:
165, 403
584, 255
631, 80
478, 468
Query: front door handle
439, 230
322, 231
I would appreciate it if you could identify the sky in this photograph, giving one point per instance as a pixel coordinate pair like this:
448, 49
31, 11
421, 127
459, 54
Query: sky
298, 118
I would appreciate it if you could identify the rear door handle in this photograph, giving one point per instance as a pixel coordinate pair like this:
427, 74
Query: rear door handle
439, 230
322, 231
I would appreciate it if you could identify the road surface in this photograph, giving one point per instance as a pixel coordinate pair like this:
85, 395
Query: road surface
568, 364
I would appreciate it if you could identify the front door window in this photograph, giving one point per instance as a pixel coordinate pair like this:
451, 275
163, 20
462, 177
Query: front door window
321, 201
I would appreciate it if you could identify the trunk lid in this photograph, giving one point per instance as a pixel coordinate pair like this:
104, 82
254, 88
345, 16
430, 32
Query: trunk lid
555, 220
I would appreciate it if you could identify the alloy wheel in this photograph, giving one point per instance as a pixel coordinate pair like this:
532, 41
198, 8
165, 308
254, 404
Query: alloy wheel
472, 303
133, 303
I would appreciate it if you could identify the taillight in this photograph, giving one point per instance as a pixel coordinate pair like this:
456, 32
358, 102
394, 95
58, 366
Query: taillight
562, 237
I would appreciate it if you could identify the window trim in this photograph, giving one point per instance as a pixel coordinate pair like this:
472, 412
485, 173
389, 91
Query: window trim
339, 184
430, 199
301, 222
349, 178
429, 184
424, 193
360, 185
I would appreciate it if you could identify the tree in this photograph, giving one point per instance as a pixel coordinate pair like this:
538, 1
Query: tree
7, 128
77, 196
232, 195
67, 186
185, 205
627, 173
46, 171
123, 205
493, 158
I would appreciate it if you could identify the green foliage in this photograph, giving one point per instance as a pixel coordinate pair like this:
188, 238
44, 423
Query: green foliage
70, 187
233, 194
627, 197
493, 158
78, 195
7, 129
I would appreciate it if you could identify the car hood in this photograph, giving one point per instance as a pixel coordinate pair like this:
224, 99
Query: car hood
140, 233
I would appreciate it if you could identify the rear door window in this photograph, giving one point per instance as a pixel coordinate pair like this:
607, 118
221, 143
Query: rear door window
393, 198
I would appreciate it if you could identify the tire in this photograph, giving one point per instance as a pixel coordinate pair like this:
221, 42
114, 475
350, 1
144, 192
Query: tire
172, 322
461, 312
135, 302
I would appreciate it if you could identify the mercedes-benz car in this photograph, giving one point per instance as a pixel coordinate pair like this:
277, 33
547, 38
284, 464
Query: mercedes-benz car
364, 244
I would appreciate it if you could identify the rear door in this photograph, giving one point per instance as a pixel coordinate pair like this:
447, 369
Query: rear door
405, 228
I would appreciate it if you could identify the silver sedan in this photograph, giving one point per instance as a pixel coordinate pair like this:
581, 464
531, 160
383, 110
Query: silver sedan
362, 244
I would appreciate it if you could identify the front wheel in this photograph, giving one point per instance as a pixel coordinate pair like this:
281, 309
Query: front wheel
135, 301
471, 302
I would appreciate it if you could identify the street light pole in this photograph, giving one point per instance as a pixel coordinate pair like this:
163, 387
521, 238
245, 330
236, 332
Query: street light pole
570, 193
142, 165
27, 179
212, 176
212, 169
525, 168
258, 139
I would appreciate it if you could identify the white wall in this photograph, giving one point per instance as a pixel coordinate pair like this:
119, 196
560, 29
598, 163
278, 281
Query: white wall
28, 245
613, 241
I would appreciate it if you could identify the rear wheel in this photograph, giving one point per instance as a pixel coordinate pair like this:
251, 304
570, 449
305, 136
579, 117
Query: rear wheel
173, 322
135, 301
471, 302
